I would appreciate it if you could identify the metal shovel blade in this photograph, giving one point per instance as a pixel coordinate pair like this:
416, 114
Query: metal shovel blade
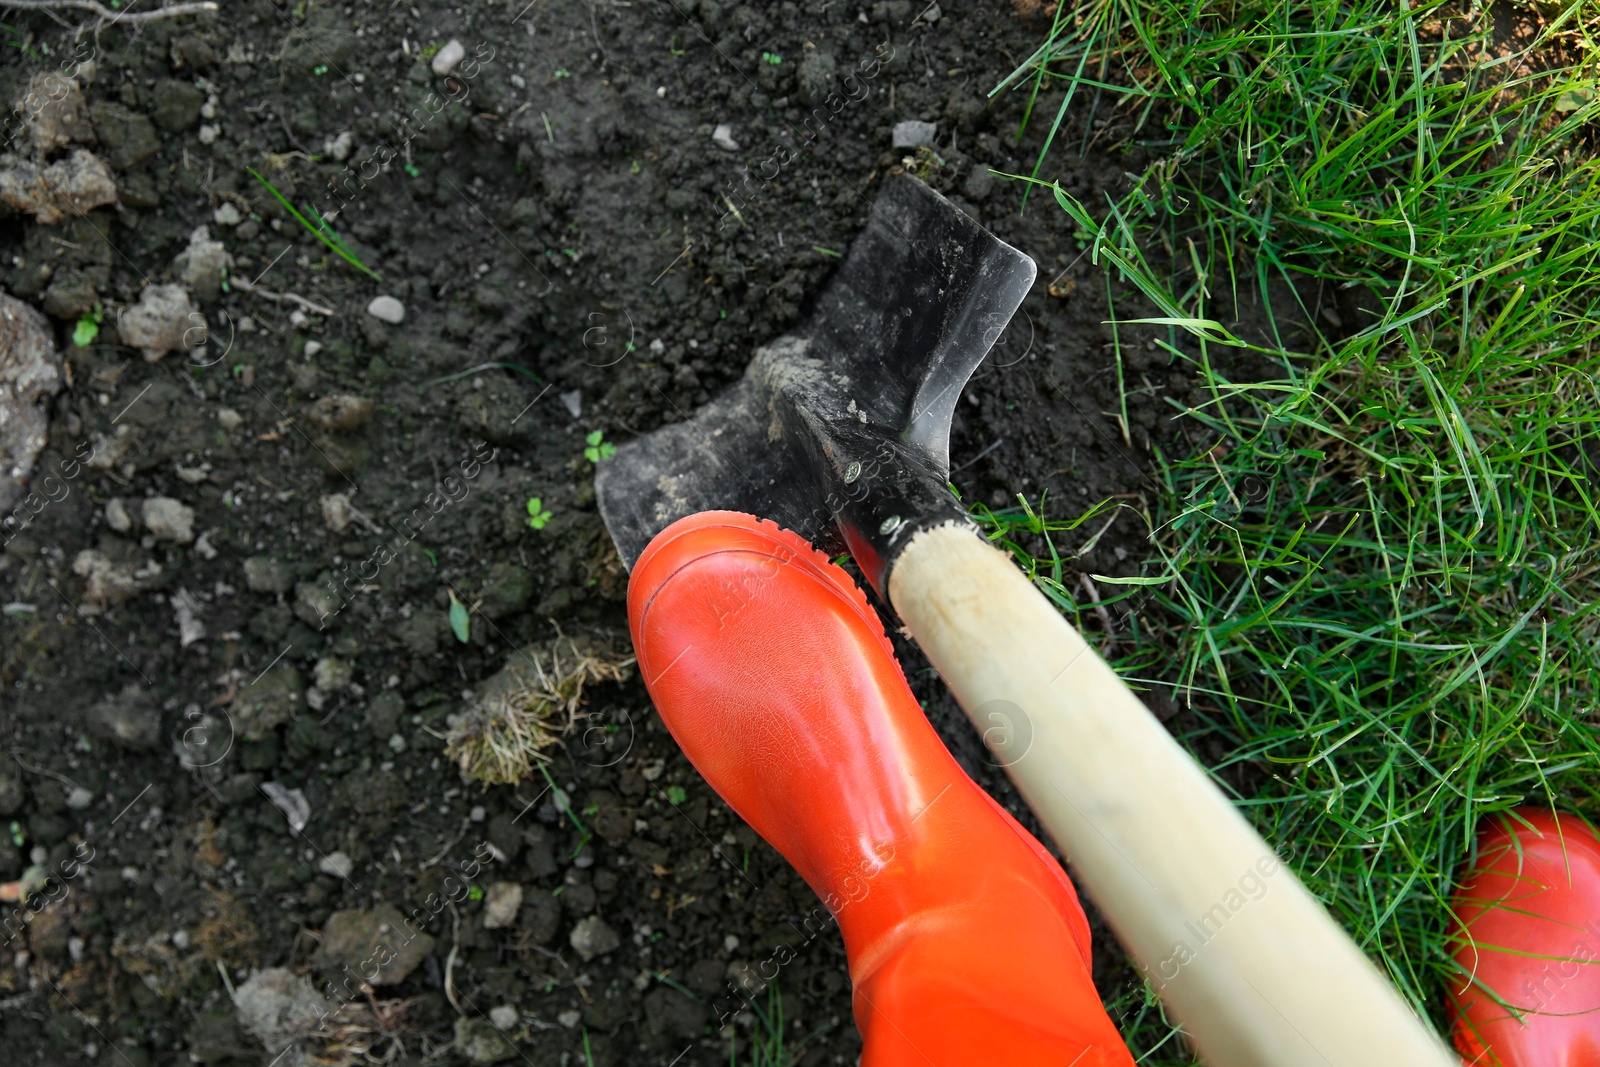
875, 368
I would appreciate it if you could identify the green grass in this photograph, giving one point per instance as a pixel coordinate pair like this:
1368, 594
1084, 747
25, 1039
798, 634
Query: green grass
1377, 581
321, 231
16, 39
765, 1046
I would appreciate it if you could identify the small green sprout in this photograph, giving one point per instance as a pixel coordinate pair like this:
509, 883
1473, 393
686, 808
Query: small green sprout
538, 515
320, 69
475, 893
411, 169
87, 329
599, 448
563, 73
16, 833
676, 794
433, 559
460, 618
771, 57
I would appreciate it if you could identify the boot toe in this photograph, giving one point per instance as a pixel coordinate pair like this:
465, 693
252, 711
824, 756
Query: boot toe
1529, 940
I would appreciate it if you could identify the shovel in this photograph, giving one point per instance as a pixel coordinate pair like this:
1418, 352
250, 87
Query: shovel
840, 431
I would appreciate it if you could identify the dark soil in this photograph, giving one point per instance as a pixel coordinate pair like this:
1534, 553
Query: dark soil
566, 210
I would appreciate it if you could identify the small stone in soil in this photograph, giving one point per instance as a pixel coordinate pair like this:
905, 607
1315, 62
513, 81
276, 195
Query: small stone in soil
341, 412
348, 938
263, 574
387, 309
270, 701
504, 1017
341, 146
574, 403
337, 864
117, 516
164, 319
190, 628
79, 798
314, 604
169, 519
70, 186
723, 136
201, 265
570, 1019
276, 1006
332, 674
127, 718
111, 582
479, 1042
501, 904
446, 58
292, 802
913, 134
336, 512
592, 937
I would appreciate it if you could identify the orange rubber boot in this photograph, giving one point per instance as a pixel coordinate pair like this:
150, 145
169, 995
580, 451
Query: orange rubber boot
966, 941
1530, 940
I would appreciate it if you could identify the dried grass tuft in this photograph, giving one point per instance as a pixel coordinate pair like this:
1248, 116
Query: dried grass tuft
527, 708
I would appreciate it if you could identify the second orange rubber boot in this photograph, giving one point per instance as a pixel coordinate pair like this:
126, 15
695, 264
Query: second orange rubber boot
966, 941
1530, 941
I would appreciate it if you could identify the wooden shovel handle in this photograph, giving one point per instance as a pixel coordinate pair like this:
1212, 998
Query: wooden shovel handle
1253, 965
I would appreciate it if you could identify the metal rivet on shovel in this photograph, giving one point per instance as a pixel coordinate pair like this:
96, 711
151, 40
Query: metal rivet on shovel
851, 473
890, 525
